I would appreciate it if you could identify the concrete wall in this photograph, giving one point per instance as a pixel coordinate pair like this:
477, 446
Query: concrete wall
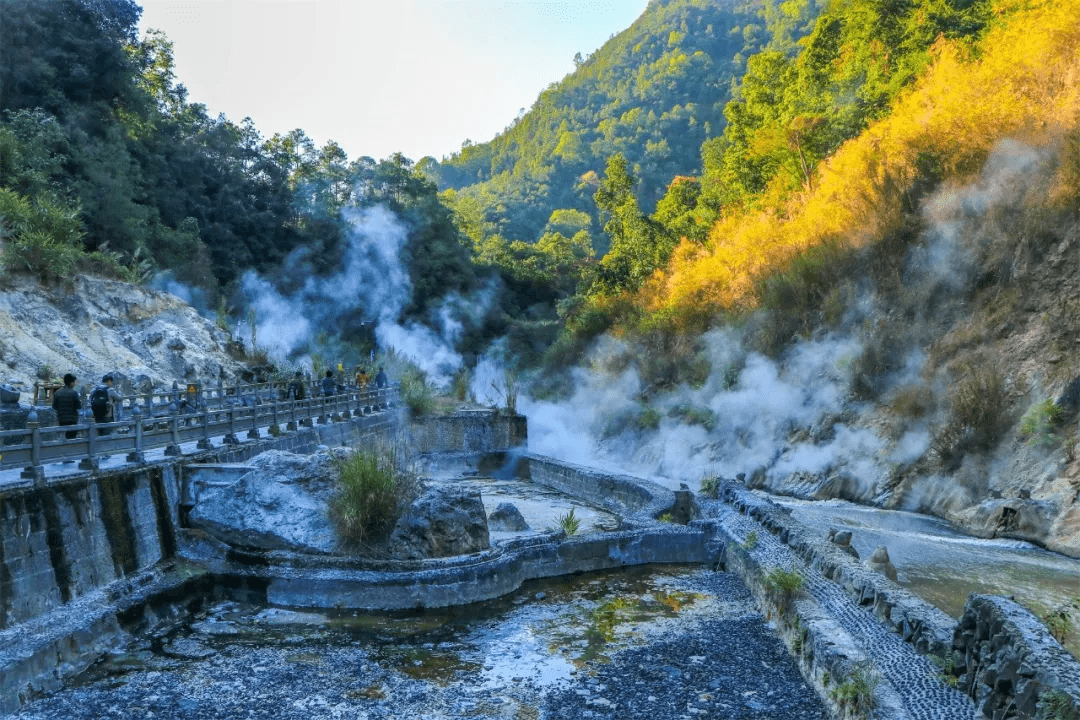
77, 535
468, 432
622, 494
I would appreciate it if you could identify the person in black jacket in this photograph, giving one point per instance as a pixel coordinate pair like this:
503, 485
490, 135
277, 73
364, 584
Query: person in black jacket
66, 403
381, 380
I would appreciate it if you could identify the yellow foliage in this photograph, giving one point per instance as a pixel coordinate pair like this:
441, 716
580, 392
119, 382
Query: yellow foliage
1022, 83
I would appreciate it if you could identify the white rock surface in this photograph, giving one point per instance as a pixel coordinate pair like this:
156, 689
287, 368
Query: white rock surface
101, 326
280, 505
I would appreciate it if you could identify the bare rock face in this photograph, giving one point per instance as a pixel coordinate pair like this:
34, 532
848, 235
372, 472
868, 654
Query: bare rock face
101, 326
880, 562
507, 518
280, 505
442, 522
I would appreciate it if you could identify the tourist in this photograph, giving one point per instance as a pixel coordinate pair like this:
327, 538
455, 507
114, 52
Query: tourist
296, 387
361, 379
329, 385
381, 380
103, 402
66, 403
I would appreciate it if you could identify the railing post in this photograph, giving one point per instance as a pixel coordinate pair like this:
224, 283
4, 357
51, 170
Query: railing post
204, 442
173, 448
34, 471
253, 433
231, 438
137, 455
291, 426
275, 429
91, 461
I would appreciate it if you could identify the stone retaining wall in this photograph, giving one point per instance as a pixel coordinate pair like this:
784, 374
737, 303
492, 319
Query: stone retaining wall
468, 432
485, 576
926, 627
624, 495
1010, 665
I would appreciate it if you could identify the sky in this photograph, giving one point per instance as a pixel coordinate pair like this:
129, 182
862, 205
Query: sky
380, 76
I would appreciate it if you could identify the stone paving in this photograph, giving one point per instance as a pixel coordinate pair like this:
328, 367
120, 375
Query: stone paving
911, 675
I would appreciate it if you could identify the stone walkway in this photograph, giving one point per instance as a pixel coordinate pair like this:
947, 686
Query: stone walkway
911, 675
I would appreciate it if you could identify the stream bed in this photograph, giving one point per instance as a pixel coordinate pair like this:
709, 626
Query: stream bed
942, 565
647, 642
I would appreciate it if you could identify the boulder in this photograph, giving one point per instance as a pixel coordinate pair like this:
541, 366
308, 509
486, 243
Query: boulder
879, 561
507, 518
280, 505
842, 540
444, 521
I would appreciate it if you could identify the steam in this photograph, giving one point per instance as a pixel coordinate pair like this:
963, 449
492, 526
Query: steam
372, 283
792, 420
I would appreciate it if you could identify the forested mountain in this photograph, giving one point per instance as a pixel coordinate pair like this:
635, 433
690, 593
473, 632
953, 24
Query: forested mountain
654, 93
106, 166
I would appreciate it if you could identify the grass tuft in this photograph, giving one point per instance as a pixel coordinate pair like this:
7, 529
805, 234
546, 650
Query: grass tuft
373, 489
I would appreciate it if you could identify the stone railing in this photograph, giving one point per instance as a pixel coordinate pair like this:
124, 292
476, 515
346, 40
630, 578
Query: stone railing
168, 420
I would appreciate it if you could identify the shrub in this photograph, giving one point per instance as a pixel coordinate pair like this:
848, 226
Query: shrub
977, 414
417, 395
856, 693
569, 523
751, 542
947, 666
373, 489
692, 415
1057, 705
783, 586
1038, 423
462, 381
1061, 621
710, 487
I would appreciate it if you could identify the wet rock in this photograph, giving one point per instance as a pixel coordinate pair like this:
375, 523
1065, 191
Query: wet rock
188, 649
442, 522
215, 628
507, 518
879, 561
842, 540
280, 505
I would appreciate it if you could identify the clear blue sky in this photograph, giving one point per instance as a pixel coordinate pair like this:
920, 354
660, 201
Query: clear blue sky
379, 76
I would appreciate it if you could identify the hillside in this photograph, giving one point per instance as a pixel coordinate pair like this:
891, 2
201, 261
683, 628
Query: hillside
654, 92
95, 326
902, 331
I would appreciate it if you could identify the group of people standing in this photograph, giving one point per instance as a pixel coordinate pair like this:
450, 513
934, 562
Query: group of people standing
331, 384
104, 400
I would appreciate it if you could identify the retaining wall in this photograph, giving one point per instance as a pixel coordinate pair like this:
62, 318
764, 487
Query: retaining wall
481, 431
484, 576
622, 494
1004, 658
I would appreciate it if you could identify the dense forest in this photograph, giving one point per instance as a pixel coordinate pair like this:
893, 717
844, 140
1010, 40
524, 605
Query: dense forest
713, 158
107, 166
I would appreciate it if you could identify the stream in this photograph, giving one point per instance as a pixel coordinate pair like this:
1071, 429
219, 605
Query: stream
942, 565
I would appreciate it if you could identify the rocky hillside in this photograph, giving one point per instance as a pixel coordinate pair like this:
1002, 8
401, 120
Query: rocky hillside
93, 326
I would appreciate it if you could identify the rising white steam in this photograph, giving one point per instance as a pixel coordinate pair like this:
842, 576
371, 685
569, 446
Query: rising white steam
372, 281
794, 417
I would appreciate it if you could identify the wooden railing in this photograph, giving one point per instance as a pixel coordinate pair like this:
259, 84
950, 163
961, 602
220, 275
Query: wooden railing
170, 419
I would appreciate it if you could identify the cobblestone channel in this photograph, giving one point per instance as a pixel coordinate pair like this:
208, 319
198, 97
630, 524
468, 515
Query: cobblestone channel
654, 643
912, 677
